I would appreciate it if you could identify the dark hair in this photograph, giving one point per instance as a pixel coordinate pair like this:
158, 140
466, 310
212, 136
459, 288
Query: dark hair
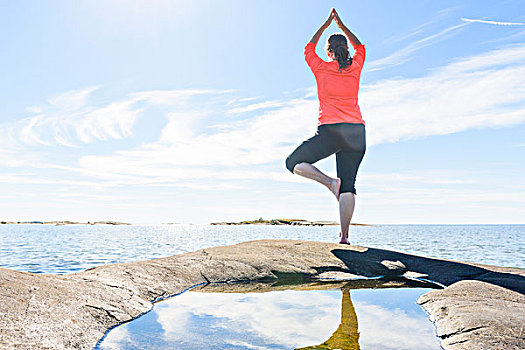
339, 47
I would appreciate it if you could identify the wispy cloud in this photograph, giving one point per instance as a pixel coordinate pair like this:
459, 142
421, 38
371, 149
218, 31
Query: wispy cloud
185, 151
72, 100
256, 106
404, 54
436, 18
35, 178
486, 90
458, 185
488, 195
236, 101
498, 23
69, 120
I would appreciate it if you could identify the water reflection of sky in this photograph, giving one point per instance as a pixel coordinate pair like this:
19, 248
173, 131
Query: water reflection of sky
386, 319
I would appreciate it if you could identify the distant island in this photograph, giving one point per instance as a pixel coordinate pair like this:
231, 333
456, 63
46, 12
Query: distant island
64, 223
260, 221
293, 222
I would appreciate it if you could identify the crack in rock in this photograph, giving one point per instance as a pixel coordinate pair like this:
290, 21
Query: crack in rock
459, 342
107, 312
461, 331
28, 302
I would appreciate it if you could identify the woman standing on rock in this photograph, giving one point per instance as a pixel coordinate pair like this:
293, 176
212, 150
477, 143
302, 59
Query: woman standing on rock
341, 129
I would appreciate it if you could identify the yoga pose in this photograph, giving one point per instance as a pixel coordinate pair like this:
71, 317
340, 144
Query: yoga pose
341, 129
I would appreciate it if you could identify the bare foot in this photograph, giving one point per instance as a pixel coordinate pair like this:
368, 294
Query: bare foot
343, 240
335, 187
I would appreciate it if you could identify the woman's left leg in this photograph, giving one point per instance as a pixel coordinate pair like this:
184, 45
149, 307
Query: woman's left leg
346, 211
348, 162
347, 165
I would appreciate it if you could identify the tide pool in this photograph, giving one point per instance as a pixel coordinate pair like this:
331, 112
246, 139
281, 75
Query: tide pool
346, 318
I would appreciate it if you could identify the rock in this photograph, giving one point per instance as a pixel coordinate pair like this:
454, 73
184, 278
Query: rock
74, 311
477, 315
293, 222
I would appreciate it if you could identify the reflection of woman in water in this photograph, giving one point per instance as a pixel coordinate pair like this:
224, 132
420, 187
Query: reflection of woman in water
341, 129
346, 337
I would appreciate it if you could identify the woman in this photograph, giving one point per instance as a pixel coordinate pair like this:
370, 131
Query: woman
341, 129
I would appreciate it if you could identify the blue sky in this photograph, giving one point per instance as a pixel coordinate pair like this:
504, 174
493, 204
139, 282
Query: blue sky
177, 111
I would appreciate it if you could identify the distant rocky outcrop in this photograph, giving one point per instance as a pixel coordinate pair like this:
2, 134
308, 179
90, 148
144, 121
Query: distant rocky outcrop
481, 307
293, 222
64, 222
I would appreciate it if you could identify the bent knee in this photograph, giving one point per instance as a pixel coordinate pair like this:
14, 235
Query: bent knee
291, 163
294, 164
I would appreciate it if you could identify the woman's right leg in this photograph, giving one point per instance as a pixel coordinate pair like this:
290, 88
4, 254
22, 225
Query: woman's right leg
309, 171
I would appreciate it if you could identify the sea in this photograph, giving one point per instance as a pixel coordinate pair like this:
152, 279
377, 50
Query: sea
62, 249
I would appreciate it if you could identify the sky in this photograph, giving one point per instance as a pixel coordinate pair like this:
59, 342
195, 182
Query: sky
184, 112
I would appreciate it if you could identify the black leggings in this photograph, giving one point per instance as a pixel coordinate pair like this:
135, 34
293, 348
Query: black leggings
346, 140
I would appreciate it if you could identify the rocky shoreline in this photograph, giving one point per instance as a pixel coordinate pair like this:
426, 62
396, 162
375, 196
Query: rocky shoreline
480, 307
64, 222
292, 222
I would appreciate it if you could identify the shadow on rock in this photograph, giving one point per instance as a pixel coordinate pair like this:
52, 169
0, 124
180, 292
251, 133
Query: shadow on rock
378, 262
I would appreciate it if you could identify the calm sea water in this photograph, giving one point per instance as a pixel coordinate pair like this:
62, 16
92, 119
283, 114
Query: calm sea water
73, 248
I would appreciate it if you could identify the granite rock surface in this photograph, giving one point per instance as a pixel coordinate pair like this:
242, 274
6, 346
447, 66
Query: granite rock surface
482, 306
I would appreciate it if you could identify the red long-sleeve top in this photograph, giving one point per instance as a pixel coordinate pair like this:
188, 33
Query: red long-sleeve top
337, 90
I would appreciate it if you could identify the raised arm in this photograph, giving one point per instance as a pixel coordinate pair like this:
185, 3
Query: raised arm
353, 39
321, 29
